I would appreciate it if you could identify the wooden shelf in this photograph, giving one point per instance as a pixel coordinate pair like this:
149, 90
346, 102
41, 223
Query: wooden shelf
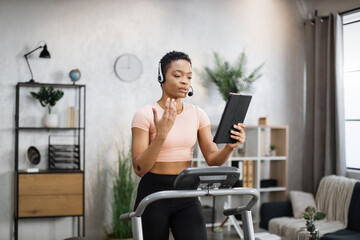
48, 193
54, 85
47, 171
251, 158
274, 158
257, 145
50, 129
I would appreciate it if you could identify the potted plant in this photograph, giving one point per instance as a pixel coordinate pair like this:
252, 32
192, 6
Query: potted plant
123, 196
232, 77
311, 215
218, 233
48, 98
272, 150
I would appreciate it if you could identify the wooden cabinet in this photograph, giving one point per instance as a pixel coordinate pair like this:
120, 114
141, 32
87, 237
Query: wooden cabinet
53, 194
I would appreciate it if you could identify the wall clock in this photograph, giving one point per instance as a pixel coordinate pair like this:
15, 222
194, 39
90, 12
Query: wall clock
128, 67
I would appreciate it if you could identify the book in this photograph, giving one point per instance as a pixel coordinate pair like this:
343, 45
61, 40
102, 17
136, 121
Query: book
250, 171
69, 117
245, 174
234, 112
72, 117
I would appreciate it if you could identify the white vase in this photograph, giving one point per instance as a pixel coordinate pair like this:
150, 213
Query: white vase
51, 120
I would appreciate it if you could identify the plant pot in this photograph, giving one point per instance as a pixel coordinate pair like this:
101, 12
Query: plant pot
51, 120
217, 236
304, 234
273, 153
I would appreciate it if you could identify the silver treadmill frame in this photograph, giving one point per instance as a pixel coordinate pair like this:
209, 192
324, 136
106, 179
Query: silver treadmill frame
245, 211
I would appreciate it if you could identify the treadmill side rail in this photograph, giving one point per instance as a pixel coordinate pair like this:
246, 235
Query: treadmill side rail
248, 227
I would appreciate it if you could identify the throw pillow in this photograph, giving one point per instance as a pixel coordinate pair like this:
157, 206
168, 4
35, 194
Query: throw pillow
299, 201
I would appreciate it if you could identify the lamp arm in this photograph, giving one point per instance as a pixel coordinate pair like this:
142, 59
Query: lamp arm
27, 54
27, 61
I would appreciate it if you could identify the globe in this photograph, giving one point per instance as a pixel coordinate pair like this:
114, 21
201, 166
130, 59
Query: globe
74, 75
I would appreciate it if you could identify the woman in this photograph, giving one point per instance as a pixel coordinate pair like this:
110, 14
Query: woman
163, 136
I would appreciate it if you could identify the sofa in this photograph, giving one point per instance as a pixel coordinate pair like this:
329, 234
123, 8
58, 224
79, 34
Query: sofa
338, 197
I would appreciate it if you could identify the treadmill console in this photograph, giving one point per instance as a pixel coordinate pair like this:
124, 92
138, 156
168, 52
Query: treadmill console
207, 177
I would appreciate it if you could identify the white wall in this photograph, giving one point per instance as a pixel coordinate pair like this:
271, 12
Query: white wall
90, 35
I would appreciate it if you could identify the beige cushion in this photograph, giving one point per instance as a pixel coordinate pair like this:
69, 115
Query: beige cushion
299, 201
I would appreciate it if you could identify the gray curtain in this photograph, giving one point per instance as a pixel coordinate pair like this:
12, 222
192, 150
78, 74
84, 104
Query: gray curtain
324, 147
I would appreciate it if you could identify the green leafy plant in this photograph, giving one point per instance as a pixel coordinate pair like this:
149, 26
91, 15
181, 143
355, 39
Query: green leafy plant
48, 97
232, 77
123, 195
272, 147
311, 215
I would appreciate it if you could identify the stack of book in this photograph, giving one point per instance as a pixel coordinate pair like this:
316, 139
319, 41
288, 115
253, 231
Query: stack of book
246, 168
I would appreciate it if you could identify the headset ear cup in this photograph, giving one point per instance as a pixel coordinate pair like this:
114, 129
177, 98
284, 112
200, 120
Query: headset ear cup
160, 75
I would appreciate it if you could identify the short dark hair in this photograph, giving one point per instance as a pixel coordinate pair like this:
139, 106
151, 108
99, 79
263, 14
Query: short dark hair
170, 57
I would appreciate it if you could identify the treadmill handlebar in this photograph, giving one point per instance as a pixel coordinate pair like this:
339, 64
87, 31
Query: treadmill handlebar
167, 195
235, 211
125, 217
196, 193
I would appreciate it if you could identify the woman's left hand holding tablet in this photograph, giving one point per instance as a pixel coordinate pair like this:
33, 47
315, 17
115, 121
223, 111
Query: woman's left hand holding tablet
238, 134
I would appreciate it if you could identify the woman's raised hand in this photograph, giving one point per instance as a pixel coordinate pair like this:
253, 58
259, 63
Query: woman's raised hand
164, 125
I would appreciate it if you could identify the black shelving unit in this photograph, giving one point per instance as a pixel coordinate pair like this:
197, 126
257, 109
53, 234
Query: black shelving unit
79, 175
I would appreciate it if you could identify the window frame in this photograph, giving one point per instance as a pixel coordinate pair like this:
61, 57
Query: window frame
347, 19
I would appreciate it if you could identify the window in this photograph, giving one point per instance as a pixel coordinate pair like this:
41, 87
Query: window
351, 38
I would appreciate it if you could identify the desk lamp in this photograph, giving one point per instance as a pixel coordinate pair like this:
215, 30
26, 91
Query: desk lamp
43, 54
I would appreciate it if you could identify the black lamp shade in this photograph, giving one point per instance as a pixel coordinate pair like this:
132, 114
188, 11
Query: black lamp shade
44, 53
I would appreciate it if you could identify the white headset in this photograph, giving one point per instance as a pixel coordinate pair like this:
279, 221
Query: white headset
161, 78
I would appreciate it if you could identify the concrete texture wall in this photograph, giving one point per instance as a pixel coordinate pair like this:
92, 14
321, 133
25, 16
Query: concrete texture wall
90, 35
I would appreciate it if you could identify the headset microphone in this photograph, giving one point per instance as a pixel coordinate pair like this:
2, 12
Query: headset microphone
191, 92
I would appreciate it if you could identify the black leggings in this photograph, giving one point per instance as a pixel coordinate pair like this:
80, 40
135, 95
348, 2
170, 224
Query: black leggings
182, 215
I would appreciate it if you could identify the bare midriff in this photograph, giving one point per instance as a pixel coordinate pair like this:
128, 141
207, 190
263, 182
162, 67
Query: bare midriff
170, 168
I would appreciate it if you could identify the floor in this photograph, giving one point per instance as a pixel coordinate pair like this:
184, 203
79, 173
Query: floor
227, 235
